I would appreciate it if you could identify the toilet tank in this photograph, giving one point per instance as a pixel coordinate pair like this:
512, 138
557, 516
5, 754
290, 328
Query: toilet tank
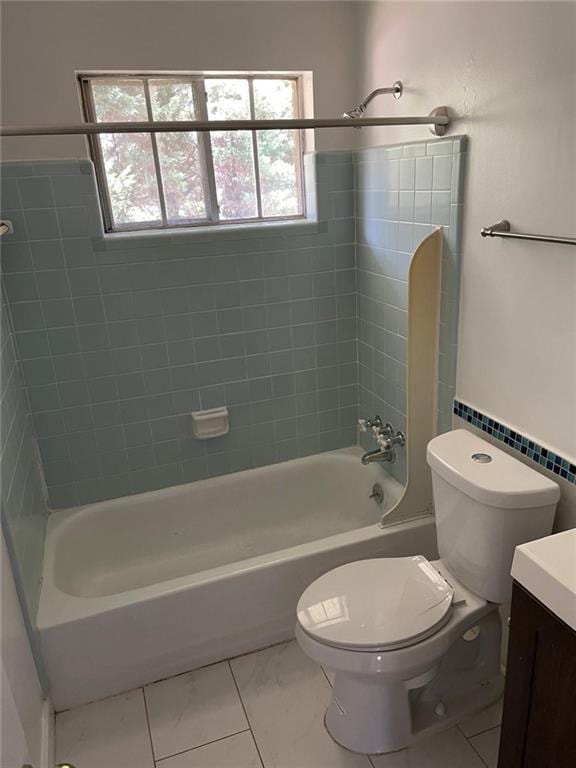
486, 503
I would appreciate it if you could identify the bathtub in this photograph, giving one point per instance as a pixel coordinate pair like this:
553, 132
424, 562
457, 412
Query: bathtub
145, 587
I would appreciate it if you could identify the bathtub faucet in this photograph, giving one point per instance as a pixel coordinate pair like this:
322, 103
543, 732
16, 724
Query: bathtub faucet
380, 454
387, 439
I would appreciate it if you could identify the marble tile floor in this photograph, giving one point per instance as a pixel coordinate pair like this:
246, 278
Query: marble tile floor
262, 710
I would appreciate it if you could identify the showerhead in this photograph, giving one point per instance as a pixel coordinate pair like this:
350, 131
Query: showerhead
358, 111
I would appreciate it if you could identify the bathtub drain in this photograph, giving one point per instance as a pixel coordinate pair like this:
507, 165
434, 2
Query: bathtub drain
377, 493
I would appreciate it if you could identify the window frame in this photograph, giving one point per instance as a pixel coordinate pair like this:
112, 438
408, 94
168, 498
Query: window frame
196, 79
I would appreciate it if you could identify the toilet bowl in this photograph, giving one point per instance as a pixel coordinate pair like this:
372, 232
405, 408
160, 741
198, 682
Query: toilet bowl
415, 645
389, 649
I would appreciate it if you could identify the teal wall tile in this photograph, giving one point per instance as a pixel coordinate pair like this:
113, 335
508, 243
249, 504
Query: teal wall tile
20, 286
52, 283
42, 223
22, 492
16, 256
9, 194
36, 192
28, 315
142, 330
401, 192
282, 326
47, 254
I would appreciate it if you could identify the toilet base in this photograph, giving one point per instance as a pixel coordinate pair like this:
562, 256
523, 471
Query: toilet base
370, 715
367, 716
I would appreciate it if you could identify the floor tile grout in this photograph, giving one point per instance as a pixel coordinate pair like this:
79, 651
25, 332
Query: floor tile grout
157, 762
469, 740
246, 713
484, 730
148, 725
199, 746
477, 753
257, 748
326, 676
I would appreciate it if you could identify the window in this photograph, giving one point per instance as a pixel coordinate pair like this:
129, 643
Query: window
165, 180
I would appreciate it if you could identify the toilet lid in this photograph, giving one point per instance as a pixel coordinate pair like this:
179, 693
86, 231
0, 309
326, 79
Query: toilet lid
377, 604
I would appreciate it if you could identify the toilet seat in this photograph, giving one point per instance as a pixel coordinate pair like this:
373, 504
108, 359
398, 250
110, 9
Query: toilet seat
376, 605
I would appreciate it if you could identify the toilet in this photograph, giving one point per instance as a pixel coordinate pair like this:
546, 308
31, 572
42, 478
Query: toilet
415, 645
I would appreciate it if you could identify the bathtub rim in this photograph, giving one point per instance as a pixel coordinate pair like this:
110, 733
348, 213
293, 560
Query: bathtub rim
92, 658
58, 608
60, 521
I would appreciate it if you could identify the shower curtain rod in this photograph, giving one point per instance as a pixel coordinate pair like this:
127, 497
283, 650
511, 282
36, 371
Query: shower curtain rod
438, 120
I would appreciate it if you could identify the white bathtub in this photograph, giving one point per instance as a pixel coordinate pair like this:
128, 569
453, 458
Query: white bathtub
148, 586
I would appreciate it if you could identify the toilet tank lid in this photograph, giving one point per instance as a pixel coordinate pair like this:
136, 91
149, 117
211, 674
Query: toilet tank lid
487, 474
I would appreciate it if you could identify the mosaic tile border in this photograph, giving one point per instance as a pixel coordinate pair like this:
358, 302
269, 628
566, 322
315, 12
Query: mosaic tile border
537, 453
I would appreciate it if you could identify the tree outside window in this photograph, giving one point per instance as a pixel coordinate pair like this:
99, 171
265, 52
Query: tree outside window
163, 180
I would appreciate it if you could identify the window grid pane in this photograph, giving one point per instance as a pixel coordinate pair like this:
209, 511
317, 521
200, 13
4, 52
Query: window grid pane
178, 153
183, 179
119, 100
255, 150
232, 151
155, 153
132, 183
209, 181
278, 151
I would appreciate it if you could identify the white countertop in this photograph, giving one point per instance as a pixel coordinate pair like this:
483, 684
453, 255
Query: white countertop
547, 569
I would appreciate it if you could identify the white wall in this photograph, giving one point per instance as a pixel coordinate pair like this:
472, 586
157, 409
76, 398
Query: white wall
44, 43
509, 71
21, 705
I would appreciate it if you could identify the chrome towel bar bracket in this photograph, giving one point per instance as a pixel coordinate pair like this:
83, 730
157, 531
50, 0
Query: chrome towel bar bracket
502, 229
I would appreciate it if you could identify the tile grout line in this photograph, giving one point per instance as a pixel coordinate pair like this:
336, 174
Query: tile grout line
200, 746
157, 762
326, 676
484, 730
245, 713
473, 748
148, 726
257, 748
469, 740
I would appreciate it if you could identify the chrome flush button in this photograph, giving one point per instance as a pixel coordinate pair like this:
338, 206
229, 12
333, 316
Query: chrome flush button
482, 458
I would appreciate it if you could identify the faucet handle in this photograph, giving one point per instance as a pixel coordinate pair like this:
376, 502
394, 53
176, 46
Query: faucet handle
367, 424
387, 430
398, 439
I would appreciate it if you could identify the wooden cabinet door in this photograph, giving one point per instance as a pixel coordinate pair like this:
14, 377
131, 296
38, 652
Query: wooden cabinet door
539, 721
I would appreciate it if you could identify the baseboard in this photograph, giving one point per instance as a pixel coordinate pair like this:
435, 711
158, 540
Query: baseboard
47, 756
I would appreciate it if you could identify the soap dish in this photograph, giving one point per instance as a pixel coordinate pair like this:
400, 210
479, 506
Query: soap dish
211, 423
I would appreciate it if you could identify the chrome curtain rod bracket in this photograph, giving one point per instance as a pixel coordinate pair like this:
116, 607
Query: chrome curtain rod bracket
6, 227
438, 118
440, 129
502, 229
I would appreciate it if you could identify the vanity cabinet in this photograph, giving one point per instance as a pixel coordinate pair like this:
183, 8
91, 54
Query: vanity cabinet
539, 720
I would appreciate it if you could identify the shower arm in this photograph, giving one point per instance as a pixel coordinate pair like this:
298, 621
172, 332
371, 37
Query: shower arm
396, 90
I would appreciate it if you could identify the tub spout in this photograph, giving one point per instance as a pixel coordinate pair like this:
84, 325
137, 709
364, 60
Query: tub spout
380, 454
